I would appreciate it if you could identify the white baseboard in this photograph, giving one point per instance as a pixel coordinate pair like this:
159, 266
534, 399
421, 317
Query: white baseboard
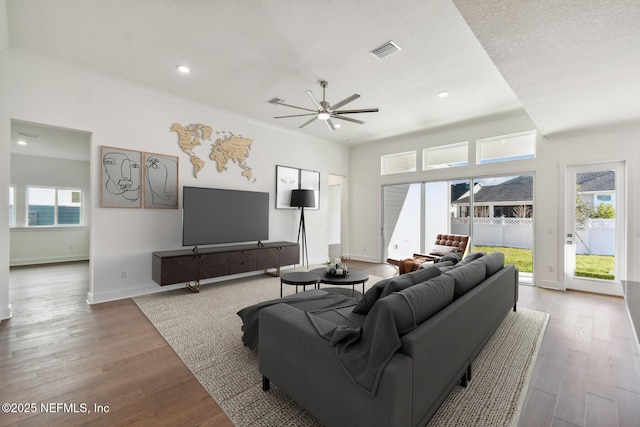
97, 298
48, 260
548, 284
5, 313
364, 258
153, 288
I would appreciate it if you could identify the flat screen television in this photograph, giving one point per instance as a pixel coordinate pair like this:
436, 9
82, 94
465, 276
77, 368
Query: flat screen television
214, 215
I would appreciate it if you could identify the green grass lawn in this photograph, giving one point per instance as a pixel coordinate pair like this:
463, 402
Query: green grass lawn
596, 266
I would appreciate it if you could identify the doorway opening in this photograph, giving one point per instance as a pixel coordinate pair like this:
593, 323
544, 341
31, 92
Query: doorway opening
335, 209
50, 195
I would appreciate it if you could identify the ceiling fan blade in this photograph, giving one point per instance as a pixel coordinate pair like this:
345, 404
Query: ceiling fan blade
314, 100
330, 124
293, 106
364, 110
345, 101
349, 119
297, 115
306, 123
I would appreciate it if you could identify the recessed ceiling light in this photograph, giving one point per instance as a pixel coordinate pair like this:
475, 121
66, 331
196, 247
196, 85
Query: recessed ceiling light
337, 125
443, 94
22, 142
183, 69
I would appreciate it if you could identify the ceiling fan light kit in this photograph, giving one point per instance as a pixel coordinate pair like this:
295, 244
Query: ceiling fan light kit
323, 110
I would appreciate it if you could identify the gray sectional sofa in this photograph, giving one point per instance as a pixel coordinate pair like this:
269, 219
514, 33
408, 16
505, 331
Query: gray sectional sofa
392, 358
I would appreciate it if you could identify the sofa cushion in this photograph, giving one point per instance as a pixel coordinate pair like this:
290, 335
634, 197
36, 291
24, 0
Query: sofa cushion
371, 296
407, 280
442, 266
452, 257
471, 257
494, 262
397, 284
445, 268
467, 277
427, 298
394, 284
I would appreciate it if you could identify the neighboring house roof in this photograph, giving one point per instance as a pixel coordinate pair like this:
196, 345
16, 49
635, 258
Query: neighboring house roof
520, 188
517, 189
458, 190
596, 181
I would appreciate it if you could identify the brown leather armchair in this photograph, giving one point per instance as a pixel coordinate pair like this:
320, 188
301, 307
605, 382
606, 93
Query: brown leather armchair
444, 244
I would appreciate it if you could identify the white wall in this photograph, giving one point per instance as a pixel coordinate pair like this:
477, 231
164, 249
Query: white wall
553, 156
129, 116
4, 28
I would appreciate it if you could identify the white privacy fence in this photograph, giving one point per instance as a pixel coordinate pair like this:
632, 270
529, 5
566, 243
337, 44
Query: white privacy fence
598, 237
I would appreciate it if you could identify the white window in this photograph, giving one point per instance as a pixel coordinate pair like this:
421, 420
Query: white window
398, 163
446, 156
506, 148
53, 206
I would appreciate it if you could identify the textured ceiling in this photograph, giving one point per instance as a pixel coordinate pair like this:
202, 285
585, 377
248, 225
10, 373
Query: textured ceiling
570, 64
574, 65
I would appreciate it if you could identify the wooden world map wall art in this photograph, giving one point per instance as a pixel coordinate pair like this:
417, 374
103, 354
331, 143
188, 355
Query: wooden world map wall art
227, 147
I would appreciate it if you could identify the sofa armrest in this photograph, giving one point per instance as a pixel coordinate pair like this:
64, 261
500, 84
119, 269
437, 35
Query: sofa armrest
300, 362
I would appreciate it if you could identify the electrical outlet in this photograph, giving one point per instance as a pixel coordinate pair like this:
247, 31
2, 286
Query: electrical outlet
123, 274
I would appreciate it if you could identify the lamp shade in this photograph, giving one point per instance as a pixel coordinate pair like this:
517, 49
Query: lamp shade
303, 199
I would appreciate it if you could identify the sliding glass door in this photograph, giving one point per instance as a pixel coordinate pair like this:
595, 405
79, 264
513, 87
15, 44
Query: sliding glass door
496, 212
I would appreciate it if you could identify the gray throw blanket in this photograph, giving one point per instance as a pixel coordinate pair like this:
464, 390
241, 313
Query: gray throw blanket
306, 301
365, 351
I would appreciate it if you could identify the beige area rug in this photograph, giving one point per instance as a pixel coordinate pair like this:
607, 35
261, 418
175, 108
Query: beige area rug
204, 330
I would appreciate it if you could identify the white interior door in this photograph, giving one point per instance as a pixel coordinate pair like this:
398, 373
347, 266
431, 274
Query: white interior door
594, 247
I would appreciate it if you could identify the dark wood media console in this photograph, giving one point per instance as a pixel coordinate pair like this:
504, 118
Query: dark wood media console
186, 266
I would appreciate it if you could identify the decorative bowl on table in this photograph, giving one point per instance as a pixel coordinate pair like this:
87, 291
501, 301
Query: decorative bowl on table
337, 271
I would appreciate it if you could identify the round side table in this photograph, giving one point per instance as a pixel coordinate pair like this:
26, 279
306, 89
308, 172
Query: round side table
299, 278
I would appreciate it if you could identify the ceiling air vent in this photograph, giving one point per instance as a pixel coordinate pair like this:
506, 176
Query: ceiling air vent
385, 50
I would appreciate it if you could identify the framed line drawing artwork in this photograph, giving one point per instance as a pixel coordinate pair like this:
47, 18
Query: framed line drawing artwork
120, 183
310, 180
160, 181
287, 179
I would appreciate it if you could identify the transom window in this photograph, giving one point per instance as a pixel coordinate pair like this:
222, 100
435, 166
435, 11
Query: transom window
398, 163
446, 156
507, 147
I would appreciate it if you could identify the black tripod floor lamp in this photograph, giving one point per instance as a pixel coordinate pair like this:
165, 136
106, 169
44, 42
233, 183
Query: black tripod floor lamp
303, 199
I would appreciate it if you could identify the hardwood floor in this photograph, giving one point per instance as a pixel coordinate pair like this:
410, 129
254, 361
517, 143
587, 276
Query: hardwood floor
57, 349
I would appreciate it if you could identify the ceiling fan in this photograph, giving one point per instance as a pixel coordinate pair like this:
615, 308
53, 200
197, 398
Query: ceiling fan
325, 111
